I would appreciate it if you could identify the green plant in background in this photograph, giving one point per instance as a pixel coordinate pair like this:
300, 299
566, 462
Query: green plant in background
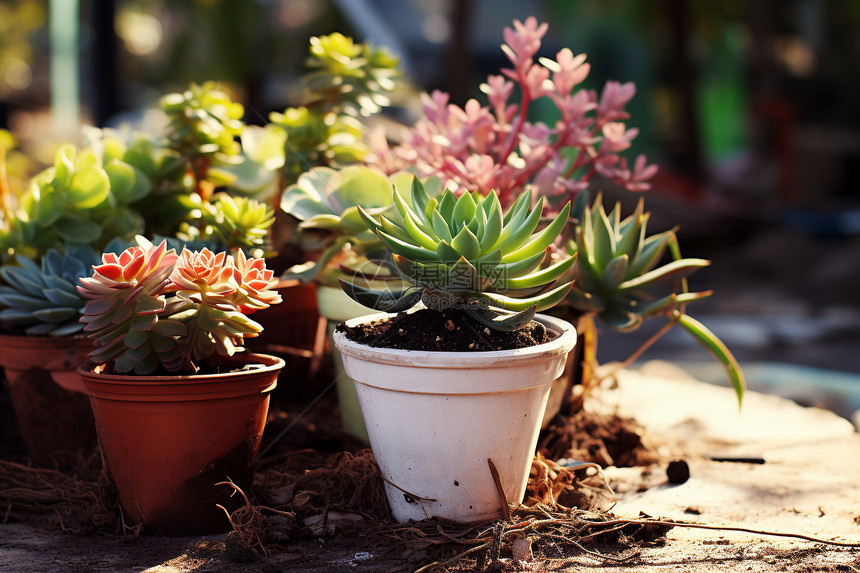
149, 308
82, 199
347, 80
43, 300
619, 280
203, 127
326, 202
233, 223
465, 253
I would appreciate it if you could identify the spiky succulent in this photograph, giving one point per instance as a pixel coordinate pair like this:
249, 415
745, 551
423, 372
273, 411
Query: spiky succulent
149, 307
465, 253
619, 272
621, 280
43, 300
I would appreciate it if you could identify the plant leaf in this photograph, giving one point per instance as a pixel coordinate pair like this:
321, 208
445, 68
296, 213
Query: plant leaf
715, 346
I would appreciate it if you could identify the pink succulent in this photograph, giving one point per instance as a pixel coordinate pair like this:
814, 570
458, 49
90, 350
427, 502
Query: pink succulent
256, 284
149, 307
494, 147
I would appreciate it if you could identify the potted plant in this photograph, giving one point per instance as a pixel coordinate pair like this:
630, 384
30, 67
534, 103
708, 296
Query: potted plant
47, 234
502, 147
178, 407
42, 348
325, 201
474, 386
621, 281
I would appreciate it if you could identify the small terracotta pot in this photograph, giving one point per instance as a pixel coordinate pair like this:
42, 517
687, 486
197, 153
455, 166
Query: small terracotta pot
168, 440
48, 396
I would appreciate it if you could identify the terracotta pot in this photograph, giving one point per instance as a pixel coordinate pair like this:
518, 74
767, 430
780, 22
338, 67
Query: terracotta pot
48, 396
169, 439
435, 418
293, 322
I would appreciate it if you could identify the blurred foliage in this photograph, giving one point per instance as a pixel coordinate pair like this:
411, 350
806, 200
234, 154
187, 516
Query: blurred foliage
19, 22
83, 199
346, 80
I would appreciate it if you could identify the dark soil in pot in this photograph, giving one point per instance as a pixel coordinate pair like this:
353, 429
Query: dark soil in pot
449, 330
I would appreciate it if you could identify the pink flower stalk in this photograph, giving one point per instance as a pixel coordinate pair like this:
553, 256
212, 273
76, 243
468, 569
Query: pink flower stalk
494, 147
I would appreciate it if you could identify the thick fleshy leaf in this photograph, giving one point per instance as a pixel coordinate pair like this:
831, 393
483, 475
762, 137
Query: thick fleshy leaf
466, 244
405, 249
542, 277
464, 211
440, 227
542, 301
650, 252
50, 206
541, 240
500, 320
673, 270
515, 234
633, 231
493, 227
89, 187
57, 314
615, 272
446, 253
385, 301
433, 275
672, 302
77, 229
127, 183
715, 346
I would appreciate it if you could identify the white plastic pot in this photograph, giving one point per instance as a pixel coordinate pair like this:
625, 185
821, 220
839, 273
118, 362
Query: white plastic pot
435, 418
336, 306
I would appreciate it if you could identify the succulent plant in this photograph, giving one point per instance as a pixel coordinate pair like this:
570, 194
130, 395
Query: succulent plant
465, 253
42, 300
497, 147
203, 121
83, 198
326, 202
620, 277
233, 223
149, 307
619, 273
346, 80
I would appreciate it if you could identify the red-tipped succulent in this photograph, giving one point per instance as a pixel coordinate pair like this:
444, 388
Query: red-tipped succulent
150, 308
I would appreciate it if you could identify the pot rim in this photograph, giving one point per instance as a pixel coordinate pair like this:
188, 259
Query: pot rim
452, 359
269, 362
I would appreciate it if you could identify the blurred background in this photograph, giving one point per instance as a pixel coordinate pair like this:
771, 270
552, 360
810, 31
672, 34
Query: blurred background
751, 109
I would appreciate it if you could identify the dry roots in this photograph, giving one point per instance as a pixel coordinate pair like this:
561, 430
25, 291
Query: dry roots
58, 499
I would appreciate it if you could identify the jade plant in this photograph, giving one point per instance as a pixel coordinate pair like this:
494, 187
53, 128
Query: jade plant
500, 147
621, 280
84, 199
42, 300
149, 308
346, 81
466, 253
